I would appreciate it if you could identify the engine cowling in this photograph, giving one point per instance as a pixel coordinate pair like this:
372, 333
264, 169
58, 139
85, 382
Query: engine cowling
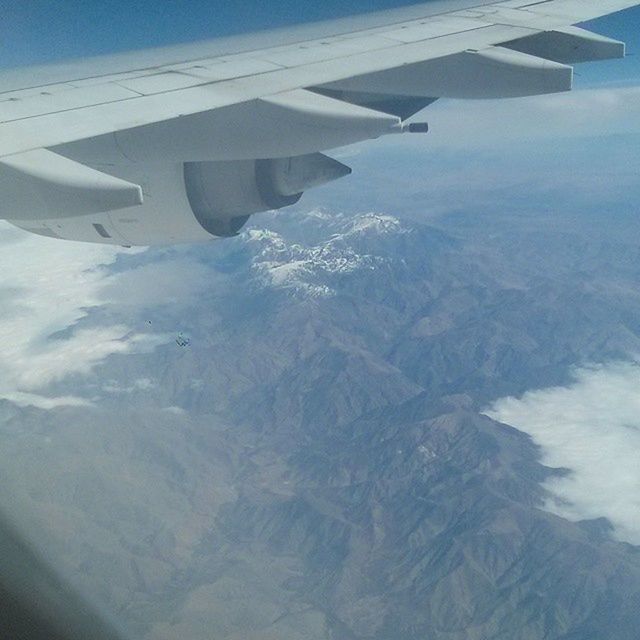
193, 201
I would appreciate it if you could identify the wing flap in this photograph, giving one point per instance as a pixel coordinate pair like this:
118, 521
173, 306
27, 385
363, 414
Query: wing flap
43, 184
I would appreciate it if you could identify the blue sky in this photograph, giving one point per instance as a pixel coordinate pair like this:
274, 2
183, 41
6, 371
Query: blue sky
36, 31
33, 30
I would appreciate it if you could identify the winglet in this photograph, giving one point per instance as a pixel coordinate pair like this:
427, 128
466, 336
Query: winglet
41, 184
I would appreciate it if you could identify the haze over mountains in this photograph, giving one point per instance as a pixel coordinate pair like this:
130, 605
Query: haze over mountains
319, 464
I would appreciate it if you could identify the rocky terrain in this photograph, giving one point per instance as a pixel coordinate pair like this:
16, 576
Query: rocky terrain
316, 464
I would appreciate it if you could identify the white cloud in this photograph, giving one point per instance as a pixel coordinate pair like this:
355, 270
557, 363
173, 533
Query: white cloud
592, 428
172, 281
42, 402
141, 384
178, 411
46, 288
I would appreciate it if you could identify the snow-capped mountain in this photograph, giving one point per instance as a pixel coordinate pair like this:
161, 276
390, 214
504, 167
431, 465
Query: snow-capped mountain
314, 269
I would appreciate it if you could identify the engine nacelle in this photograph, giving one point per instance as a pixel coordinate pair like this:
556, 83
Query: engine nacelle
193, 201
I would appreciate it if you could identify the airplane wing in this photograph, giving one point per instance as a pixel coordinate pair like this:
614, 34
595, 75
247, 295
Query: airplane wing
90, 142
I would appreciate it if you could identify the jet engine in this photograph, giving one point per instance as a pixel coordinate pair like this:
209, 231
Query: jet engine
180, 202
186, 179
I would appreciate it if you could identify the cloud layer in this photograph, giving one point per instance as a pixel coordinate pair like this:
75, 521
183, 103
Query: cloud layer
46, 288
592, 428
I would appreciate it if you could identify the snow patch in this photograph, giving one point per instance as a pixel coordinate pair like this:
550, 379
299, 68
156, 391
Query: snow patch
306, 269
375, 223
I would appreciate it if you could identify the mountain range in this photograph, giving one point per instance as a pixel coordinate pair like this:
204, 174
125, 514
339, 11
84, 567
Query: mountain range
317, 463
